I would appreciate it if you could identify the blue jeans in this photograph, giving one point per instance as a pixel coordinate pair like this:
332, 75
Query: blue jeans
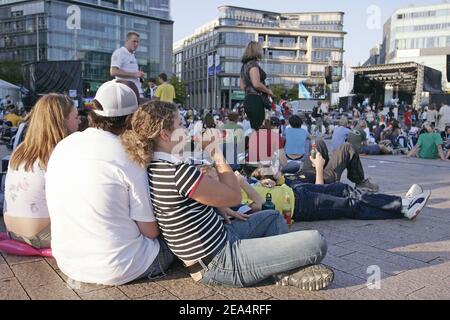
161, 263
338, 200
260, 248
371, 150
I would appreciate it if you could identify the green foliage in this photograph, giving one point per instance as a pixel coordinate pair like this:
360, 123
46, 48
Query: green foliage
293, 93
11, 71
180, 89
279, 92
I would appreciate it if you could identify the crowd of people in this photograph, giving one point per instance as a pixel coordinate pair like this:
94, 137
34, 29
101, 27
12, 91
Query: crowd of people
147, 183
374, 131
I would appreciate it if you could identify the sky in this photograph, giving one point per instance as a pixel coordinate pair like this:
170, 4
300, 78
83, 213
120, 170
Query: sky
364, 28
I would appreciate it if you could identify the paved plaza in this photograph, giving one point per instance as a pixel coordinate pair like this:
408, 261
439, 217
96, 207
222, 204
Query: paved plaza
413, 257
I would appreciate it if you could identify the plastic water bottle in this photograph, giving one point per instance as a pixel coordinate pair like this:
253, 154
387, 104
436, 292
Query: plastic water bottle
287, 209
268, 205
313, 149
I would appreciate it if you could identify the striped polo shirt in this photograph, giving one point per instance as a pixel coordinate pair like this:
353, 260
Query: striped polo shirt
192, 230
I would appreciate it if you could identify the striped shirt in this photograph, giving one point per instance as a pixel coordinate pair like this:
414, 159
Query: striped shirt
192, 230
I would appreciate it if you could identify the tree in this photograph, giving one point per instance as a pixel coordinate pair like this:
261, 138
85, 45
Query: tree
180, 89
11, 71
293, 93
279, 92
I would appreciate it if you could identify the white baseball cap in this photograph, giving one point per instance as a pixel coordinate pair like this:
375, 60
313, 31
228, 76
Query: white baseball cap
117, 100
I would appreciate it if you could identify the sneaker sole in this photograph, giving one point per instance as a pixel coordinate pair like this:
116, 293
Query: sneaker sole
419, 210
322, 278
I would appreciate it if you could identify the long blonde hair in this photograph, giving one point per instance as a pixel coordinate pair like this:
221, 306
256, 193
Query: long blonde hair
146, 125
253, 51
46, 129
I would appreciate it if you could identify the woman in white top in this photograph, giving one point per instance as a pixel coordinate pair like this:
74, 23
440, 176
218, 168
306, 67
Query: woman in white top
25, 212
432, 115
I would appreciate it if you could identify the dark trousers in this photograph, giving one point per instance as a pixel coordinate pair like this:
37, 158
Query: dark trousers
338, 200
254, 108
345, 158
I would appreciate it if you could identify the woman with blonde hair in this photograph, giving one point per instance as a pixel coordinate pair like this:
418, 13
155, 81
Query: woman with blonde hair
26, 214
252, 81
240, 254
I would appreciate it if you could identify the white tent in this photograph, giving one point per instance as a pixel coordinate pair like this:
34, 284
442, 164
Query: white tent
7, 88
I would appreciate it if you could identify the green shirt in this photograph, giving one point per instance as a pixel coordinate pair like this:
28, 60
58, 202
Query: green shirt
233, 130
428, 143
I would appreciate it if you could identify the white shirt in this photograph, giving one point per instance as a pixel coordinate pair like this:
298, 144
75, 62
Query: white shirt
245, 124
444, 113
25, 193
126, 61
95, 195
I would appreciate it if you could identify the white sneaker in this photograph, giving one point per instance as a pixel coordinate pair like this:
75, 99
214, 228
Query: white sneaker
417, 204
414, 191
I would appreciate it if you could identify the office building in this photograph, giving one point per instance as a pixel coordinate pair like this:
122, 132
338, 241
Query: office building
297, 48
56, 30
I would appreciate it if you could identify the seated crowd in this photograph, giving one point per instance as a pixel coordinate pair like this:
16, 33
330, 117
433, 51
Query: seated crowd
378, 138
118, 201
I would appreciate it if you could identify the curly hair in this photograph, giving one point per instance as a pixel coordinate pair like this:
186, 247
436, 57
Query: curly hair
146, 125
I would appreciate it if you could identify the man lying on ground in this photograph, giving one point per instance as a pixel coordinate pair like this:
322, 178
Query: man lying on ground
337, 200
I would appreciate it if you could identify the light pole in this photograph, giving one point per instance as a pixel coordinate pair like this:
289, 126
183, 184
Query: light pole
207, 82
37, 38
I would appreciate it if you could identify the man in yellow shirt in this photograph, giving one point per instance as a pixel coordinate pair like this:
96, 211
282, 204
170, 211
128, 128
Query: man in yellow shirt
13, 117
165, 91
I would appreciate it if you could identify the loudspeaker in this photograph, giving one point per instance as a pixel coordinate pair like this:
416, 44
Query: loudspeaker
448, 67
329, 74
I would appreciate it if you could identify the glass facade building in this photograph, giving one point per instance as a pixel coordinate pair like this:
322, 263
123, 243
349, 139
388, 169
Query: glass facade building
39, 30
418, 34
297, 48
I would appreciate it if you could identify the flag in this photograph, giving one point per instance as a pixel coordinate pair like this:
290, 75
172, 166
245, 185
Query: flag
217, 63
210, 65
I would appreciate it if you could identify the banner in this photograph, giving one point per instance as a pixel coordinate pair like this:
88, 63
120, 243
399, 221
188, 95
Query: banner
308, 91
52, 76
448, 68
217, 63
210, 65
432, 80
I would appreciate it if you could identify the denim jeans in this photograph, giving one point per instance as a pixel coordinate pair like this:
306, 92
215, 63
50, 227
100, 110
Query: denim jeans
161, 263
260, 248
371, 150
338, 200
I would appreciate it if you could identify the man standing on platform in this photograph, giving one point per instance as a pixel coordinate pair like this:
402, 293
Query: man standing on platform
124, 65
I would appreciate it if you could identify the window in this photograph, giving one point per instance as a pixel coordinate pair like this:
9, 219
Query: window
287, 42
327, 42
236, 38
281, 54
18, 13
